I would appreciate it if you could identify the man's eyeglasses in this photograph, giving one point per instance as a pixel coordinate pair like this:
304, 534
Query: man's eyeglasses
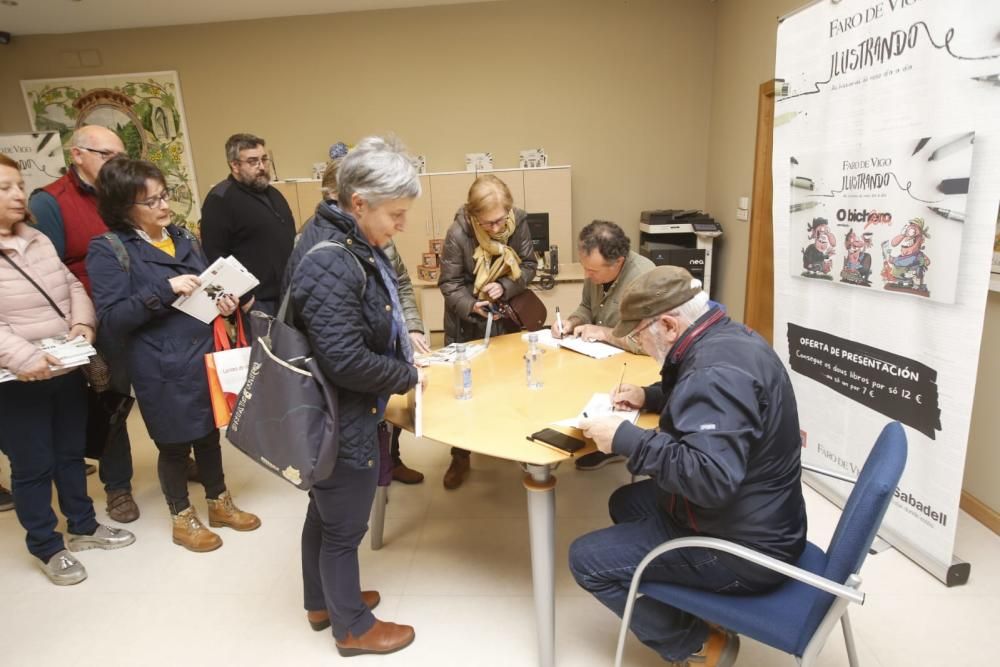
104, 155
634, 336
256, 161
154, 202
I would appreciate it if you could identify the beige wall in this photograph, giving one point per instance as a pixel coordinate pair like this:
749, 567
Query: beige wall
617, 89
982, 464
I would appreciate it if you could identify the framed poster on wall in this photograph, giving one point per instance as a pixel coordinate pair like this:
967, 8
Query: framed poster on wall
145, 110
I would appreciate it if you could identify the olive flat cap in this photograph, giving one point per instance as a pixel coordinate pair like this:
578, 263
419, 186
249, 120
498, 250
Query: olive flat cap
654, 292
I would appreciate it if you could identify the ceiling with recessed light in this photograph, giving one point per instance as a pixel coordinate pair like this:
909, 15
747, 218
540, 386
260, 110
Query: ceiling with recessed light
33, 17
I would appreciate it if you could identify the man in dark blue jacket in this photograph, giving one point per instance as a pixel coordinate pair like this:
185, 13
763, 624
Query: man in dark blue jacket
724, 463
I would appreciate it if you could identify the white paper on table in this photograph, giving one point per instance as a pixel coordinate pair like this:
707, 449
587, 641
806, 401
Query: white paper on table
544, 338
595, 349
599, 405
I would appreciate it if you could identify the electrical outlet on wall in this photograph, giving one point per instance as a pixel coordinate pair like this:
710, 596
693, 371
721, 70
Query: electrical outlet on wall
742, 214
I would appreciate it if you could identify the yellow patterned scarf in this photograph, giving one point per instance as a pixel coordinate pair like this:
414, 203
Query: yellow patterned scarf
494, 258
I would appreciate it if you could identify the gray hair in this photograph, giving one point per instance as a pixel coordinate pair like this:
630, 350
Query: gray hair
241, 142
692, 309
377, 170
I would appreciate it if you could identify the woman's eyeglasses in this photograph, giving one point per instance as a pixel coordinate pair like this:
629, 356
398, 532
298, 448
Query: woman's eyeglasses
495, 223
154, 202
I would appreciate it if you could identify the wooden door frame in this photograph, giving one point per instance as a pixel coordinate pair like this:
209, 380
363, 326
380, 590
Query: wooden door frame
758, 308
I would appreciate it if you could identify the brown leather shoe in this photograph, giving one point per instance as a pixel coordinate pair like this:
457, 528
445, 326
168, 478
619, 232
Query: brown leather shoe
190, 532
223, 512
406, 475
719, 650
320, 620
457, 472
121, 506
383, 637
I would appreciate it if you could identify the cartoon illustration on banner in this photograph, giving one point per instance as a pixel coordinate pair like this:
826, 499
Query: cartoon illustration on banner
899, 211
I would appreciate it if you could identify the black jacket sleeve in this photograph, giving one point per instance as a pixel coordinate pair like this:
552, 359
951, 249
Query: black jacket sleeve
714, 415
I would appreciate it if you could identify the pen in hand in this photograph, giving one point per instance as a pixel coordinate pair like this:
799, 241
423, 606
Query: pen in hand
618, 390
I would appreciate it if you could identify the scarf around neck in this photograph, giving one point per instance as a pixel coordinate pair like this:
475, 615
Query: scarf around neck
494, 258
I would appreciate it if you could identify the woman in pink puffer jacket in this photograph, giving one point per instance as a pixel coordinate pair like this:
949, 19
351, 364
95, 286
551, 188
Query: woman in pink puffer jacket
43, 411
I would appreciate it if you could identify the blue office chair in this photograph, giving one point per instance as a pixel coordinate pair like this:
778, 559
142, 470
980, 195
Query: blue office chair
797, 616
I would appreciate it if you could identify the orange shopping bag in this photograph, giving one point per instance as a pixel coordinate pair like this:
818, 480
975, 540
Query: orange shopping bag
226, 369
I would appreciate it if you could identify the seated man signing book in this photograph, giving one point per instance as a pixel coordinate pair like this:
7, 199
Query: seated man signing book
608, 266
724, 463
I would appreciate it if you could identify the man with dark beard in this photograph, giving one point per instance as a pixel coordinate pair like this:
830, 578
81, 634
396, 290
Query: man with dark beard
245, 217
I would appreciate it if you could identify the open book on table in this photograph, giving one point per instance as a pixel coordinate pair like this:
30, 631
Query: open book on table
599, 405
595, 349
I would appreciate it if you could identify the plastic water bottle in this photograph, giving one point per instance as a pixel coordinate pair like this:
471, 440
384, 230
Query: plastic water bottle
533, 363
463, 373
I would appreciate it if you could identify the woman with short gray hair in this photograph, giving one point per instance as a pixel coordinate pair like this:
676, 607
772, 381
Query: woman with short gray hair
344, 296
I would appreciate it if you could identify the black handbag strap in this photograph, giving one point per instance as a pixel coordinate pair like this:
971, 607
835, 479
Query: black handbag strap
36, 285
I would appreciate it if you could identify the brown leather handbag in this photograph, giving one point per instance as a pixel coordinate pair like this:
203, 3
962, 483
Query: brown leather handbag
525, 311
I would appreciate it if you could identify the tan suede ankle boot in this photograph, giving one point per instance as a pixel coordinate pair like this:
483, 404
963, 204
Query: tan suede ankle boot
223, 512
190, 532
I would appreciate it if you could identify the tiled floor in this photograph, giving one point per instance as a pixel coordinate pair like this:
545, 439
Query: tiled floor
455, 565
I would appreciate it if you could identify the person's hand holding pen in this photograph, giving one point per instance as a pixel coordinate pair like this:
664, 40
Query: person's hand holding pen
568, 326
628, 397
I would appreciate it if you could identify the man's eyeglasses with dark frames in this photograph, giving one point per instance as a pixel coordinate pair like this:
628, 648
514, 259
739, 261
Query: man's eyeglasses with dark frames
104, 155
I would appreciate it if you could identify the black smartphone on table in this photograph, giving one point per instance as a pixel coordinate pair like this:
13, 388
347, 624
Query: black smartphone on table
557, 439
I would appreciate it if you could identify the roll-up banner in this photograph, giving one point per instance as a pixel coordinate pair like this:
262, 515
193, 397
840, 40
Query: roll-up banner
886, 184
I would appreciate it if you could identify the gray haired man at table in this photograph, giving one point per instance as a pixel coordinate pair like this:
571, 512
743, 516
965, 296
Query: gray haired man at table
608, 267
724, 463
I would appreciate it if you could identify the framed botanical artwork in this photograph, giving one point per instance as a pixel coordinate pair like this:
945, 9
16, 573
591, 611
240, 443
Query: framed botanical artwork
145, 110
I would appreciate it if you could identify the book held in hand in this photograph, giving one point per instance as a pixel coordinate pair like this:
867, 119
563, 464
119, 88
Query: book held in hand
71, 352
225, 276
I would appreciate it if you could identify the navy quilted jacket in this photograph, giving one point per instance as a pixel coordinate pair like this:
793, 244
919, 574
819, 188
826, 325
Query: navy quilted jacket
346, 311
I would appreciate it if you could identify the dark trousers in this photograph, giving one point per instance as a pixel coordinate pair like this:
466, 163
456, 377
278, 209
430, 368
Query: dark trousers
172, 469
603, 563
336, 522
267, 306
43, 433
116, 462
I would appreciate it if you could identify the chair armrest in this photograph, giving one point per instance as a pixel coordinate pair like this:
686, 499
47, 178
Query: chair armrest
797, 573
830, 473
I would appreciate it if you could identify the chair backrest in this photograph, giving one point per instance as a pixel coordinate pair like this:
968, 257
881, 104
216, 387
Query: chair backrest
862, 516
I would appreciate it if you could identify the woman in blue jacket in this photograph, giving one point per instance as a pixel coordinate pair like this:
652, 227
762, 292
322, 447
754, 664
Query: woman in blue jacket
137, 270
345, 298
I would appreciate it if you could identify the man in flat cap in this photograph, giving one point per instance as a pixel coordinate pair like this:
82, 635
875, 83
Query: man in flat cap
724, 463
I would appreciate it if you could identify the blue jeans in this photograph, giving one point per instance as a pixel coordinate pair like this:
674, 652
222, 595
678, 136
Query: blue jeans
603, 563
336, 522
44, 425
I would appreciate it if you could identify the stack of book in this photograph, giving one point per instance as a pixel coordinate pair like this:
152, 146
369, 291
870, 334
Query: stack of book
71, 352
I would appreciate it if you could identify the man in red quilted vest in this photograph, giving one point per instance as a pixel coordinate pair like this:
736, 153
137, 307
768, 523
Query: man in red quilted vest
66, 212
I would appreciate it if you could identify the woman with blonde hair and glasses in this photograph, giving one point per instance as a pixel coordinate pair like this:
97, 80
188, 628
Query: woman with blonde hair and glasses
488, 256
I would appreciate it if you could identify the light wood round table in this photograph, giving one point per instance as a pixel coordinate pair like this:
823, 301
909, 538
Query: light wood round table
500, 416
